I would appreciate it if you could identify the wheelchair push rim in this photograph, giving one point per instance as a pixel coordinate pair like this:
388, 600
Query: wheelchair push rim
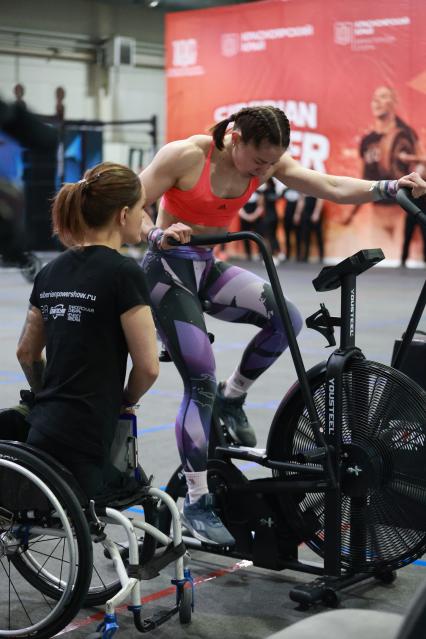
54, 537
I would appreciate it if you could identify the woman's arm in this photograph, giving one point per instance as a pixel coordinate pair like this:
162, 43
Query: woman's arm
345, 190
139, 331
30, 348
172, 162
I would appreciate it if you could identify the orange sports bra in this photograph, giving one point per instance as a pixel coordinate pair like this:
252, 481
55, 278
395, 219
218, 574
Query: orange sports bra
200, 206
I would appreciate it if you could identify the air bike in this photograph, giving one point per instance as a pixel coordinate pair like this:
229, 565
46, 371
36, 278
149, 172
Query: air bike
347, 451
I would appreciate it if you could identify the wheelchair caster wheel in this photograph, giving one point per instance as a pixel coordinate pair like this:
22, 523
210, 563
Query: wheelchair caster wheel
386, 576
330, 598
185, 606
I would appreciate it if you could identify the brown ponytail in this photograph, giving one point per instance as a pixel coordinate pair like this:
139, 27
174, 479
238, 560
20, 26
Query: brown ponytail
92, 202
218, 131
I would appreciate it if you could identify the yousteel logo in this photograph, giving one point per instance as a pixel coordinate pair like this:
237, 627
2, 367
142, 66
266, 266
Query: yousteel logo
352, 315
185, 52
331, 425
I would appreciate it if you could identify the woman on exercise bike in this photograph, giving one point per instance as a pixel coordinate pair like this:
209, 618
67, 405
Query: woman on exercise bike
204, 181
89, 308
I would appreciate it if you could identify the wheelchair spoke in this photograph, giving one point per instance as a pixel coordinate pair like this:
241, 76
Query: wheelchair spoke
10, 584
96, 571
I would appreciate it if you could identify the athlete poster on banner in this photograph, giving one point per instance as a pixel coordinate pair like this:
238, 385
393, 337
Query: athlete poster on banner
351, 77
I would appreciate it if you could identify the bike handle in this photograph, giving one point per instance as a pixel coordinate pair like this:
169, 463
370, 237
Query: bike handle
408, 203
203, 240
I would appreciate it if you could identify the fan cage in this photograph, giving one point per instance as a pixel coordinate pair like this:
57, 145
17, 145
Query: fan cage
383, 415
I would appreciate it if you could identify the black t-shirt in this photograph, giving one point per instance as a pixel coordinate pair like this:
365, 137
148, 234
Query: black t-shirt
81, 295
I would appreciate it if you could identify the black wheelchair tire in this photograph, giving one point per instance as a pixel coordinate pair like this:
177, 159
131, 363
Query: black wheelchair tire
70, 503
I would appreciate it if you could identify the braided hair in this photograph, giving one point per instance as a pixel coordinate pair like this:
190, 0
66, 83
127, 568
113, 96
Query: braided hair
256, 124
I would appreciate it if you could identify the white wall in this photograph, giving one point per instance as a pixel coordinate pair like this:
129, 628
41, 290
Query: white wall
48, 44
86, 17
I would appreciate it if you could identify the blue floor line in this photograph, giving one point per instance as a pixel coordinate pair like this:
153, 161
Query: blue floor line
140, 511
153, 429
133, 509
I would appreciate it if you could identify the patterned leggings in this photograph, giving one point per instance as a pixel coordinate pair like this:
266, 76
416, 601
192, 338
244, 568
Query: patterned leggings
179, 281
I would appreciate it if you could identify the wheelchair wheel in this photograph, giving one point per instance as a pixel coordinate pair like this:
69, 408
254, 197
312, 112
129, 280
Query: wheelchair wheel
383, 467
104, 582
42, 528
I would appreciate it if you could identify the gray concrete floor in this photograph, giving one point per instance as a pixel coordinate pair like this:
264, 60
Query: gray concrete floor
234, 599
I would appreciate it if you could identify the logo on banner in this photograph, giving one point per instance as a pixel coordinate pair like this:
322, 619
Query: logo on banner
364, 35
230, 44
184, 58
185, 52
343, 33
252, 41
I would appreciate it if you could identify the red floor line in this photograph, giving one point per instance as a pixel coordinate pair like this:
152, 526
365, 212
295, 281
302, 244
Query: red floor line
198, 581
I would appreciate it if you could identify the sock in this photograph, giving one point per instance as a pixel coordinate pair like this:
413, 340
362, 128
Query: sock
236, 385
197, 485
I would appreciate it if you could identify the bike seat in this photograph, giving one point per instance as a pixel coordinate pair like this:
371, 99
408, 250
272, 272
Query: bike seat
331, 277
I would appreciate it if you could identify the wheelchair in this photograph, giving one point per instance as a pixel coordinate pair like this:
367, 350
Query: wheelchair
61, 550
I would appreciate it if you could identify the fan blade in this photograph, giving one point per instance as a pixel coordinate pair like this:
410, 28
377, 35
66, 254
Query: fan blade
407, 504
409, 465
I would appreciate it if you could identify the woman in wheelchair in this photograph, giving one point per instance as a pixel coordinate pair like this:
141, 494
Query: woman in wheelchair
69, 543
89, 308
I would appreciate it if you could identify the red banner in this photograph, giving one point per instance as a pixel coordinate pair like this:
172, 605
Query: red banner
334, 67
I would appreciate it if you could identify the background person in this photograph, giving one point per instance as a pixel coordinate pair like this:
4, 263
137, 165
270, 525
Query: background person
204, 181
410, 226
390, 150
89, 309
269, 220
250, 220
291, 230
308, 217
25, 128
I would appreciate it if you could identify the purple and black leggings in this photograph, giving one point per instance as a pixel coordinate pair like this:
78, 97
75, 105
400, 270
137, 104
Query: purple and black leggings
180, 280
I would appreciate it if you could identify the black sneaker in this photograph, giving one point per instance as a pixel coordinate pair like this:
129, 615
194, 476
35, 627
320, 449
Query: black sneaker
230, 411
203, 523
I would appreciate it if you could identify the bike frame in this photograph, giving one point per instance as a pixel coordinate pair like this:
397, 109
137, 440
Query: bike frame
406, 201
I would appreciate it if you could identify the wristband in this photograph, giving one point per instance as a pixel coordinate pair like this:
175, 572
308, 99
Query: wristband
130, 405
154, 237
384, 190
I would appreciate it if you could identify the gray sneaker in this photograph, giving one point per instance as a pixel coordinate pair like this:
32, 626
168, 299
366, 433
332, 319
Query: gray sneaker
230, 411
203, 523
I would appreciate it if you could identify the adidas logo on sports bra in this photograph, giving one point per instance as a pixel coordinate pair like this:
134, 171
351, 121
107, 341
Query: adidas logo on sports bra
222, 206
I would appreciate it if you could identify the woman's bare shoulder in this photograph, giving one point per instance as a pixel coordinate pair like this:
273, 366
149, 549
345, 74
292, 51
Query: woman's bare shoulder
187, 152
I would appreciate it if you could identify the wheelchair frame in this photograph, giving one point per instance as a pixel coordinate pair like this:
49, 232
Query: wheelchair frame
41, 506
